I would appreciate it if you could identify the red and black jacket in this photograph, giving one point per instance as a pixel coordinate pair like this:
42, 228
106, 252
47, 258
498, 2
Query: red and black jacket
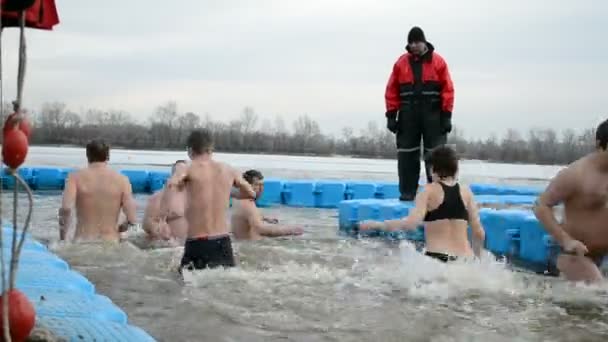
436, 83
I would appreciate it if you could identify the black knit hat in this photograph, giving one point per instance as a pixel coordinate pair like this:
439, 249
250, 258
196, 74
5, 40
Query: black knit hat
416, 35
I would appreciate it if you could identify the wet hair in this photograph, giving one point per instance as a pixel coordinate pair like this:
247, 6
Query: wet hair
175, 164
200, 141
601, 135
251, 175
444, 161
98, 151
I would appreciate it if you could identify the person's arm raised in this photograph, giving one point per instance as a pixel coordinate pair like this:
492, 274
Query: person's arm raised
178, 179
243, 190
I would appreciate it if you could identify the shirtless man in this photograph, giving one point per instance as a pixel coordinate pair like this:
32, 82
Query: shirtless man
164, 214
208, 185
583, 235
247, 223
99, 193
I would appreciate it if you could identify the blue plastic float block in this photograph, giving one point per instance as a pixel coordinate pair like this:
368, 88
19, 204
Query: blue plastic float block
28, 244
48, 179
535, 243
329, 194
394, 209
140, 180
496, 189
360, 190
369, 210
347, 214
76, 305
272, 194
501, 227
41, 276
505, 199
8, 181
387, 191
82, 329
299, 194
158, 180
37, 258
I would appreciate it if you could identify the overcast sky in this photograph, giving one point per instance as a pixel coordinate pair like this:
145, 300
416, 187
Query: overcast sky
515, 63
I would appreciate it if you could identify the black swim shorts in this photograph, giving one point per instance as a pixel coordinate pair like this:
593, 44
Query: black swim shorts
441, 256
208, 252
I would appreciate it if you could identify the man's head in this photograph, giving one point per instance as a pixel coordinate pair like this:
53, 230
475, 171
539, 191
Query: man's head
256, 179
416, 41
199, 142
98, 151
601, 136
444, 162
177, 165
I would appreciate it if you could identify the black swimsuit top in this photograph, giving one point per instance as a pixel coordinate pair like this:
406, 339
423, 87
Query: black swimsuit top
452, 207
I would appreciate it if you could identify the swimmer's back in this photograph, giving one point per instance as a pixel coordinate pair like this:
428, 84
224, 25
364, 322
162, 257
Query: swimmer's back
448, 234
208, 189
99, 197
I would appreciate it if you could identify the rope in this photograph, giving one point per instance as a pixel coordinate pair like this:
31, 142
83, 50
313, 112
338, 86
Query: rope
5, 321
22, 62
15, 247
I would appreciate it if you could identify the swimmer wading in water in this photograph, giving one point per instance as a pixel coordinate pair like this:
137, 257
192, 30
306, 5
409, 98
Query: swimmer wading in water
207, 184
446, 208
582, 187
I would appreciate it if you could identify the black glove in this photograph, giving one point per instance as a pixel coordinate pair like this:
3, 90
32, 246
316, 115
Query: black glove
445, 122
391, 120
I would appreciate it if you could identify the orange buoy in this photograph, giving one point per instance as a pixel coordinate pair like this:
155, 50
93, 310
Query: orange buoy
23, 124
21, 316
14, 148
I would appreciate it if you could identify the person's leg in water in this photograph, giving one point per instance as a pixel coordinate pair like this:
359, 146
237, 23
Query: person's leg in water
580, 268
408, 153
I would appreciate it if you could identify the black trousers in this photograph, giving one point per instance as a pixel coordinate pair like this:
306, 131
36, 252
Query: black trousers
414, 126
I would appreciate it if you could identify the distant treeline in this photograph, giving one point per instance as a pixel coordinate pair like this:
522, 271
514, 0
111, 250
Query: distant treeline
167, 128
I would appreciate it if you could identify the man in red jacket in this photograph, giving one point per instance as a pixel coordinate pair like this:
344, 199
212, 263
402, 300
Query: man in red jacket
419, 101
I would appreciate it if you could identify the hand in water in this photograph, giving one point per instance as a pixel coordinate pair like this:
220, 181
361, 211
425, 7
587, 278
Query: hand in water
298, 231
575, 246
164, 231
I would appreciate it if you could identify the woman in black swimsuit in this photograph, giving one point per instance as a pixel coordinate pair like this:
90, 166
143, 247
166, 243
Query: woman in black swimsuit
446, 208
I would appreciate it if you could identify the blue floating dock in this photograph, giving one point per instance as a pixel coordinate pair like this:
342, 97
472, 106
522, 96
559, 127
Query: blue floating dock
273, 193
82, 329
65, 301
512, 233
311, 193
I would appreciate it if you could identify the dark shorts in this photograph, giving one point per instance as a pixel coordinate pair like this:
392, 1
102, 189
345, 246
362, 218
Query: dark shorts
441, 256
208, 252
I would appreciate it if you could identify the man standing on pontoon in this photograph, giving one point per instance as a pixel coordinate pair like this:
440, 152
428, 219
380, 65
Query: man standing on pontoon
419, 102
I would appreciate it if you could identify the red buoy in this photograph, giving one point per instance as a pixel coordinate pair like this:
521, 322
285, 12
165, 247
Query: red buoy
14, 148
23, 124
21, 316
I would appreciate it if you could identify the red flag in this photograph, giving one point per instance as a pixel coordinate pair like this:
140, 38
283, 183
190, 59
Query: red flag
42, 14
